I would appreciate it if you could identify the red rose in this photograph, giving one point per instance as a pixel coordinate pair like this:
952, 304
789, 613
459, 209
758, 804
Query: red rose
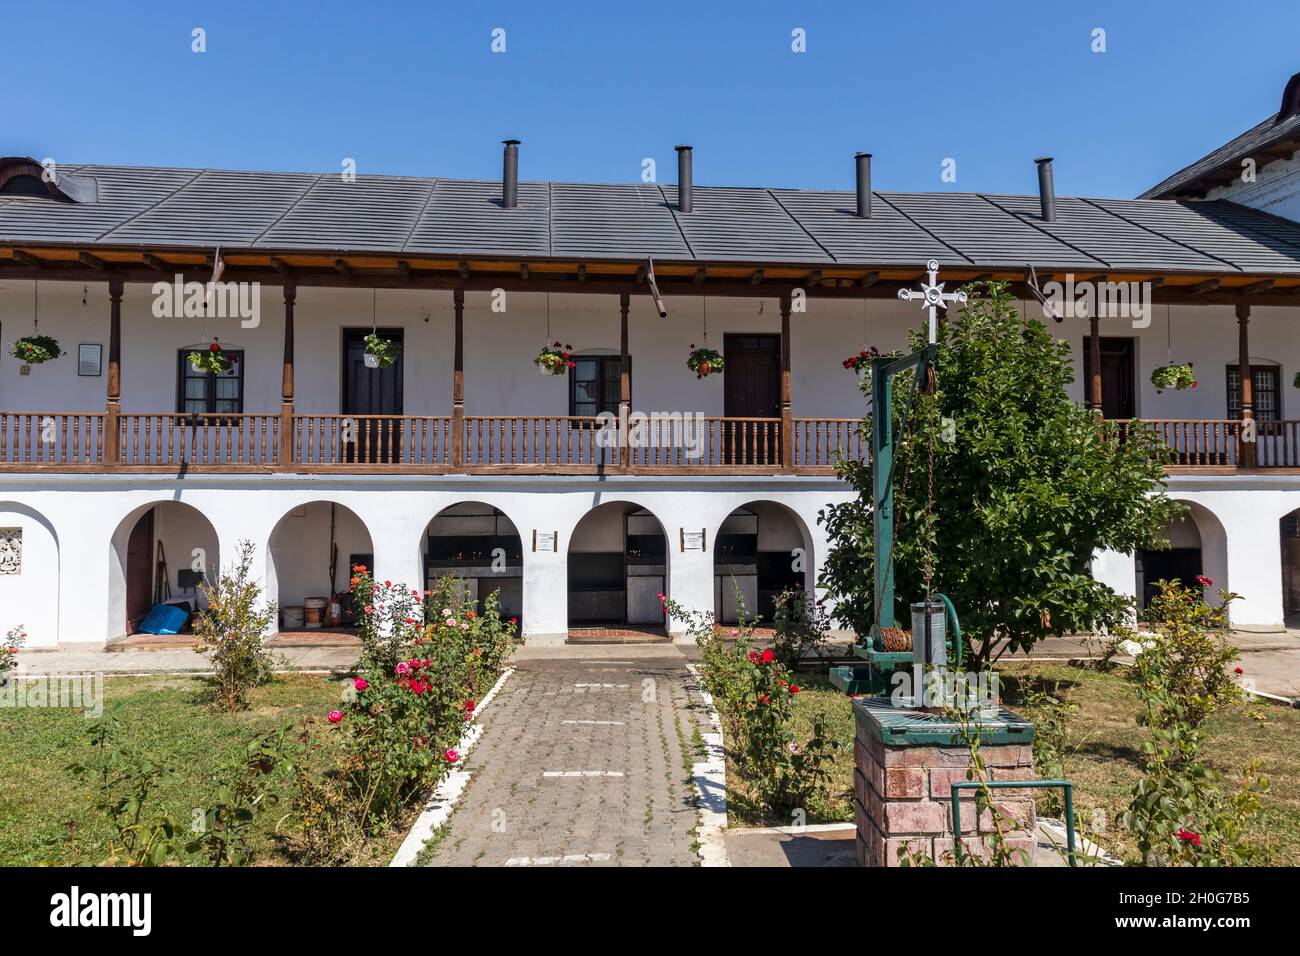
767, 657
794, 688
1187, 836
334, 716
1238, 670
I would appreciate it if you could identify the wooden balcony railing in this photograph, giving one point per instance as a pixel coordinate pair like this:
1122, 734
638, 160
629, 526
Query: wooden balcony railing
358, 440
209, 440
53, 438
529, 440
77, 441
1200, 443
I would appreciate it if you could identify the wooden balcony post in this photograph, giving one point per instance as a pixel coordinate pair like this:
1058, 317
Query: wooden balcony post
1094, 356
787, 413
113, 407
285, 452
458, 382
624, 383
1245, 449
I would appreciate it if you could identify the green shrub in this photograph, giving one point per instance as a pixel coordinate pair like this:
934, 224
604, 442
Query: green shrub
232, 629
800, 626
1178, 813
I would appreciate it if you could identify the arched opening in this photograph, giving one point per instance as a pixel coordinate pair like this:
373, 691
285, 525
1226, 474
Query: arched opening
29, 575
159, 556
1290, 530
618, 567
760, 550
480, 545
309, 558
1198, 545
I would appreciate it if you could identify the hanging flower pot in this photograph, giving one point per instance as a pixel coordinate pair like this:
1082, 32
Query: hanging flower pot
1176, 375
862, 360
212, 360
705, 361
380, 352
1296, 381
555, 359
36, 349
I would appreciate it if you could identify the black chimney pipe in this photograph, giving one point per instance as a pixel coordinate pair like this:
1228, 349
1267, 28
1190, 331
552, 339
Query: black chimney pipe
684, 184
510, 175
864, 185
1046, 189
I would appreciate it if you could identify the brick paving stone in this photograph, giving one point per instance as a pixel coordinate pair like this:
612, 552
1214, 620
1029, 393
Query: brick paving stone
646, 817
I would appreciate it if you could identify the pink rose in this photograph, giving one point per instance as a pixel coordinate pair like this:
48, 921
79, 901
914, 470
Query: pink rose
403, 667
360, 684
334, 716
452, 755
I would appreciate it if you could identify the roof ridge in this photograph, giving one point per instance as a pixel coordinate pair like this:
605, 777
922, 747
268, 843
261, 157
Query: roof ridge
148, 209
1133, 222
1036, 226
676, 221
951, 248
415, 223
794, 219
291, 207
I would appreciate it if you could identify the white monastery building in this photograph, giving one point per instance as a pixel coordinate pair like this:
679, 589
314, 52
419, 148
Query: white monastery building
126, 473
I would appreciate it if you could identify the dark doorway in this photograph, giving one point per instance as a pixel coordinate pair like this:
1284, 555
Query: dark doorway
752, 389
1118, 377
1172, 564
370, 392
139, 571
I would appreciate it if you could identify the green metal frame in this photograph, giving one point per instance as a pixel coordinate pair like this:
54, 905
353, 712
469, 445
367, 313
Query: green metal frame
957, 788
883, 371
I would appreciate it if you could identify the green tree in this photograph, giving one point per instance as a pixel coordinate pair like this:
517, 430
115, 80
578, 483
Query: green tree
1028, 486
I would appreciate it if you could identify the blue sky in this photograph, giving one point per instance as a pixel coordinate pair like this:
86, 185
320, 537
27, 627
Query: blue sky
593, 88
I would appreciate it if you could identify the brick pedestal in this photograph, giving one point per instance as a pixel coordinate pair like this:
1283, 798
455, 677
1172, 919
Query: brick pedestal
905, 763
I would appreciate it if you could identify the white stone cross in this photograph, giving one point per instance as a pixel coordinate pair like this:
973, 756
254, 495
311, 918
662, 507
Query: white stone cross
932, 296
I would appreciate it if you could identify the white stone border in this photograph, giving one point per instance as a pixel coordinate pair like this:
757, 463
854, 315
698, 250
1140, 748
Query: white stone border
444, 797
710, 776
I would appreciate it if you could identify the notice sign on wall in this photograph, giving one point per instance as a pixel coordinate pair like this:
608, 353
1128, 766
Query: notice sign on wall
544, 540
692, 540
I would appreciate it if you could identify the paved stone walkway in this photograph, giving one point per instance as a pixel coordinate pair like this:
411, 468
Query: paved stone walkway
583, 761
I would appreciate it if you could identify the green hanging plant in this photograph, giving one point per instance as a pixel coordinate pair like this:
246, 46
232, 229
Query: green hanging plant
380, 352
1176, 375
554, 359
213, 360
705, 361
36, 349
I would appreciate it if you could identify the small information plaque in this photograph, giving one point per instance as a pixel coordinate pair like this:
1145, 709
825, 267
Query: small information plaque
544, 540
692, 540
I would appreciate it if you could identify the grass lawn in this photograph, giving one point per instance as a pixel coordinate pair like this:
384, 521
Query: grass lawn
1102, 757
47, 814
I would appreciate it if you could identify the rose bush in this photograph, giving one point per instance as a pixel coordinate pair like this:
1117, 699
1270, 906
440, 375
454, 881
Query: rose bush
754, 694
427, 659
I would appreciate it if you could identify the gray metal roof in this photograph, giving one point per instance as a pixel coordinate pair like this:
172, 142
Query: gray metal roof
193, 208
1254, 141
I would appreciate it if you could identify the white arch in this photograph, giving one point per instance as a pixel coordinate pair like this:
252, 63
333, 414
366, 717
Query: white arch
117, 549
30, 598
307, 576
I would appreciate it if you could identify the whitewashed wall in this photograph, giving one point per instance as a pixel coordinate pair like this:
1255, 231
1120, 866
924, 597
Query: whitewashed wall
500, 378
1276, 188
76, 592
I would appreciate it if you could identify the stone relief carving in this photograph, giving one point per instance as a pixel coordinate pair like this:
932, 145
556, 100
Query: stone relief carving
11, 550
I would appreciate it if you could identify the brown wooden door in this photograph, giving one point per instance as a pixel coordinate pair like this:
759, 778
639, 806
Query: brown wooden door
1118, 377
372, 391
752, 389
139, 571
